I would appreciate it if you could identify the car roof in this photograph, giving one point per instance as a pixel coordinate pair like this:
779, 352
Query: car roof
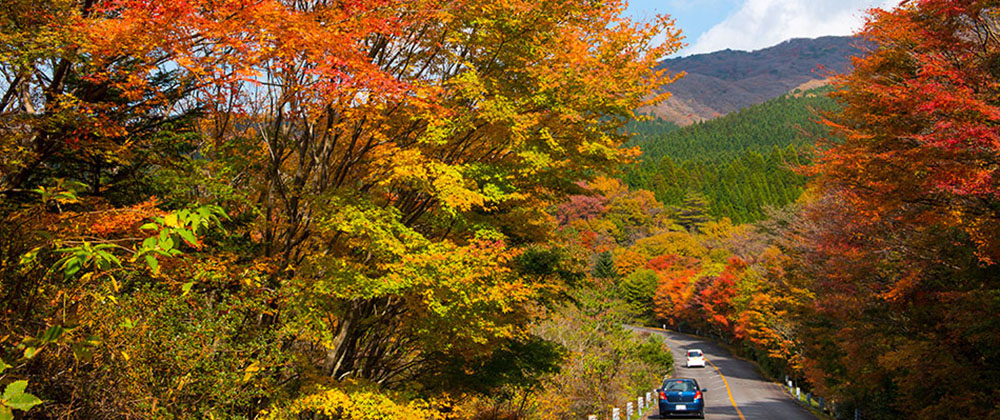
697, 350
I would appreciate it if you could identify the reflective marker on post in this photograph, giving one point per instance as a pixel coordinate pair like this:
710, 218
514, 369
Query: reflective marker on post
591, 417
628, 410
616, 414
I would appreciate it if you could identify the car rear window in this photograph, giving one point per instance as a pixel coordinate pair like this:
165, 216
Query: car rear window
694, 354
679, 386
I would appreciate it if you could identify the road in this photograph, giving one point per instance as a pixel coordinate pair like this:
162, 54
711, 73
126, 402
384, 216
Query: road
753, 397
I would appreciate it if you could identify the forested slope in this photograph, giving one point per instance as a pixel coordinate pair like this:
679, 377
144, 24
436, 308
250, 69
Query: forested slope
740, 163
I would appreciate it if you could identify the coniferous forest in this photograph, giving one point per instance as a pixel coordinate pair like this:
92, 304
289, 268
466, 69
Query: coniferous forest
741, 163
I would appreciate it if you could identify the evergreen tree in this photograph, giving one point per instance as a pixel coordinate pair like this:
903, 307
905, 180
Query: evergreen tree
638, 290
604, 267
693, 212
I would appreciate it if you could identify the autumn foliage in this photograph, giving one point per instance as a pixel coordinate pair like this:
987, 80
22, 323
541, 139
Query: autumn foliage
229, 209
392, 208
902, 256
878, 288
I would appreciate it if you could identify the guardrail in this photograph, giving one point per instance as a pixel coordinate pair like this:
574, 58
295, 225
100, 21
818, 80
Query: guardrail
831, 408
642, 406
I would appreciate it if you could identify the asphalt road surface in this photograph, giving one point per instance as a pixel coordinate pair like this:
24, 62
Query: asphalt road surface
753, 397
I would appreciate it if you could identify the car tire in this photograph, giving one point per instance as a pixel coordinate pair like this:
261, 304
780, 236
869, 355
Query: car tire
701, 414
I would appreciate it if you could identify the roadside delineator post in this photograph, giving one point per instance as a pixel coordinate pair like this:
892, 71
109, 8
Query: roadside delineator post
628, 410
591, 417
616, 414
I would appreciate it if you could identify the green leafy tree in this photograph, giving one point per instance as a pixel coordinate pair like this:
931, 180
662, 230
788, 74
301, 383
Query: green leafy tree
638, 290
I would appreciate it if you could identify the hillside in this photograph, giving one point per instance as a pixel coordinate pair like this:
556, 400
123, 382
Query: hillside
722, 82
741, 162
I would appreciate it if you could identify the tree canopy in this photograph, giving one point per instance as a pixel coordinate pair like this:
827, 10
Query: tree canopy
229, 208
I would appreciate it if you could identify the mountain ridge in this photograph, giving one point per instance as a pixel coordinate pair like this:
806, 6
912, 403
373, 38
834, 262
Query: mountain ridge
722, 82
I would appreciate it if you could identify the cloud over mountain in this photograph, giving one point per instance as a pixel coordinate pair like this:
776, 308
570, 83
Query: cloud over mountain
761, 23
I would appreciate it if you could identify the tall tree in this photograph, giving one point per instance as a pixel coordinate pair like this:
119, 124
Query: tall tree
903, 263
604, 266
693, 212
384, 163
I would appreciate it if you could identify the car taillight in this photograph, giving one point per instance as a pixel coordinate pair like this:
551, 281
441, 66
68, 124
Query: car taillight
663, 395
697, 395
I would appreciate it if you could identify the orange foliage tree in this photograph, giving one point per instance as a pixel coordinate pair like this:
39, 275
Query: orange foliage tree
384, 165
903, 259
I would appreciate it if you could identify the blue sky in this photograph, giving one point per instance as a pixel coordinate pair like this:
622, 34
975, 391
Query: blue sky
712, 25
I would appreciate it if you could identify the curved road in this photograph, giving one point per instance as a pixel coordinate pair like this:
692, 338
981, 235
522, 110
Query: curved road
754, 397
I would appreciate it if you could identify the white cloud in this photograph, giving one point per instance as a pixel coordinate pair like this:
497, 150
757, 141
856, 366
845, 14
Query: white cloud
762, 23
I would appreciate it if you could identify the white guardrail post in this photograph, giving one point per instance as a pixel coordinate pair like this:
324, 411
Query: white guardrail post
641, 405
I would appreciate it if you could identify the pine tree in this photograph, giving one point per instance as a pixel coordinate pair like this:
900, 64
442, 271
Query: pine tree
604, 267
693, 212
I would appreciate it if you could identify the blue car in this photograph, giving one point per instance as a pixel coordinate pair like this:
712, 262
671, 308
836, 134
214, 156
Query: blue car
681, 397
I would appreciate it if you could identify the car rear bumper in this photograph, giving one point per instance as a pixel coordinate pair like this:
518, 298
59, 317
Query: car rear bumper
673, 409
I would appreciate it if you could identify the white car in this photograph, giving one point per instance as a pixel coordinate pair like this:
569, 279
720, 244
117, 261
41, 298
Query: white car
695, 358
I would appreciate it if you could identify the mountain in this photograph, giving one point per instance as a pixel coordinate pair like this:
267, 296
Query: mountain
722, 82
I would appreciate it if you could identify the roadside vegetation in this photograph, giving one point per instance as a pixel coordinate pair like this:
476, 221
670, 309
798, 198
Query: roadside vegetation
431, 209
308, 209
